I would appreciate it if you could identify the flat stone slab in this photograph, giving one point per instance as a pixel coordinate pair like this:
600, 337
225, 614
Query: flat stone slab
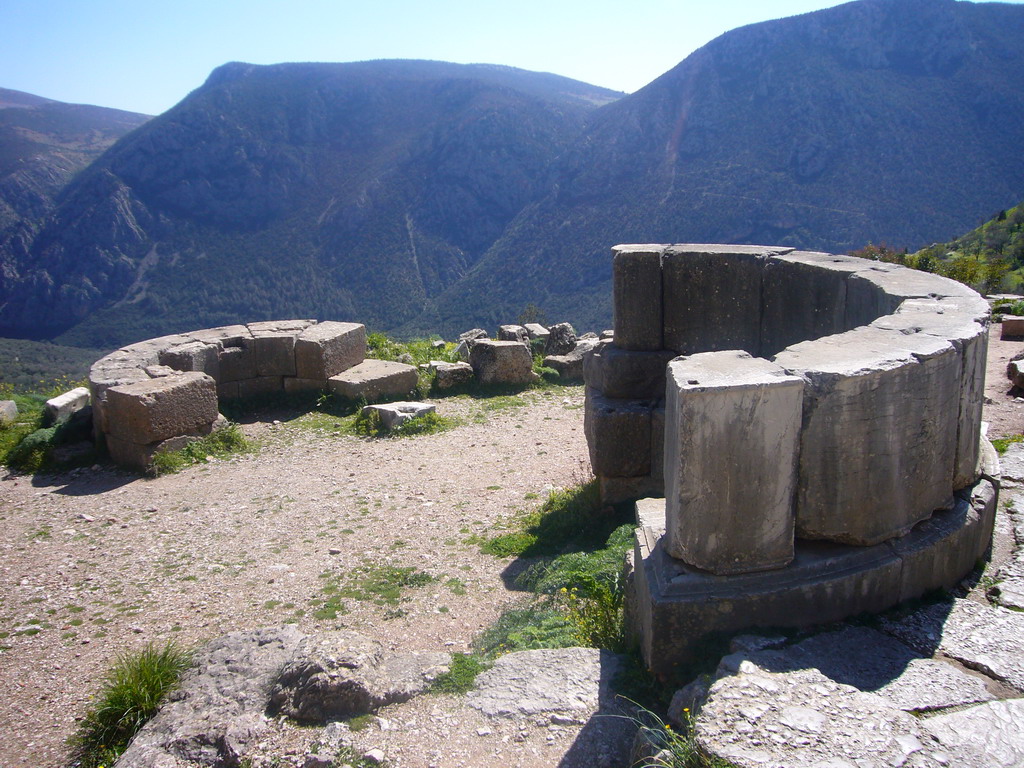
988, 736
62, 407
987, 638
874, 662
803, 719
546, 681
1011, 466
374, 379
395, 414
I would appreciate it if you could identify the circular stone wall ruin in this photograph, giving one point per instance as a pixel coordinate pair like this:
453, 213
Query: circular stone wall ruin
159, 394
813, 423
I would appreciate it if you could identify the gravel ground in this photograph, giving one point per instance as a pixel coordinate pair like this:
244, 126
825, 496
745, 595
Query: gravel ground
98, 562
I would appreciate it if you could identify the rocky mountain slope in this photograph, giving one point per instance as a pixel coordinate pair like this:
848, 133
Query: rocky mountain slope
424, 197
323, 190
43, 144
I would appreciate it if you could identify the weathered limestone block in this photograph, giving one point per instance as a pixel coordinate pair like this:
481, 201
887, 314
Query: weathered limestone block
1012, 327
618, 435
964, 324
326, 349
157, 409
448, 375
879, 432
636, 296
374, 379
513, 333
621, 373
127, 453
712, 297
237, 360
474, 334
61, 408
274, 345
193, 356
8, 411
395, 414
537, 331
220, 336
150, 349
570, 366
881, 289
1015, 373
804, 297
732, 432
561, 339
502, 362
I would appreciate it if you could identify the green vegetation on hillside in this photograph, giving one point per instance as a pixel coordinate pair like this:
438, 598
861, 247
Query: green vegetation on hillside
33, 366
989, 258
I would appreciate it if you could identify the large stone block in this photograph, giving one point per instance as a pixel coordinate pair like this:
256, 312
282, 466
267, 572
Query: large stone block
374, 380
732, 432
275, 353
260, 385
194, 356
618, 435
237, 360
711, 298
1011, 327
881, 289
157, 409
804, 297
965, 325
570, 366
502, 362
622, 373
326, 349
879, 432
636, 296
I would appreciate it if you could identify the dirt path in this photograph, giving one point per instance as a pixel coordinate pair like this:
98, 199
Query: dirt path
99, 562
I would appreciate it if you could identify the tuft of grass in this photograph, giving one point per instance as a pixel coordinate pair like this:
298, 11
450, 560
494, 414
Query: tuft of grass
1001, 444
381, 584
220, 444
130, 695
672, 748
461, 674
540, 625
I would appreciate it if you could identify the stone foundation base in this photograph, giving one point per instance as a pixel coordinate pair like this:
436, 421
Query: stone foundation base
672, 607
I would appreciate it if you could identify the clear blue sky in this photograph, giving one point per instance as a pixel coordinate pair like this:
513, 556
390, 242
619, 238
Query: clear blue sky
146, 55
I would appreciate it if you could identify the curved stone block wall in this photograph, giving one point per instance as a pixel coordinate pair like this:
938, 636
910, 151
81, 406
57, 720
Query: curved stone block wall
891, 361
160, 393
776, 398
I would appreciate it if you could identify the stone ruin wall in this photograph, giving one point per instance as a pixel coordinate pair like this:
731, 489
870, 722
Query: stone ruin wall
160, 393
813, 423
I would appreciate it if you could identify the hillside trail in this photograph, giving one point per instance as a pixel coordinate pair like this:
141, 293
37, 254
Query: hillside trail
98, 562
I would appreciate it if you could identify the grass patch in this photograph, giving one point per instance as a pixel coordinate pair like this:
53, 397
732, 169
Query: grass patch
1001, 444
381, 584
540, 625
25, 445
369, 424
570, 517
220, 444
130, 695
461, 674
673, 748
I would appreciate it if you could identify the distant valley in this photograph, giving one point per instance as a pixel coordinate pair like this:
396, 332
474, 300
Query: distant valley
422, 197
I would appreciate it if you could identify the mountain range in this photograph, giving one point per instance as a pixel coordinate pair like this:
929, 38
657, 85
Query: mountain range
422, 197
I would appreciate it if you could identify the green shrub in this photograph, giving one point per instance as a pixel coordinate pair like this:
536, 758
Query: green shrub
130, 695
1001, 444
522, 629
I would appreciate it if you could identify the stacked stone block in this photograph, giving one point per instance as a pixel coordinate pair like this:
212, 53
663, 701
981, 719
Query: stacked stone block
159, 393
816, 439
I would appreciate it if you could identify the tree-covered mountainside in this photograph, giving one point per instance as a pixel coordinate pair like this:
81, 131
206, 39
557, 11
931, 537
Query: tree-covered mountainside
897, 121
43, 144
424, 197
